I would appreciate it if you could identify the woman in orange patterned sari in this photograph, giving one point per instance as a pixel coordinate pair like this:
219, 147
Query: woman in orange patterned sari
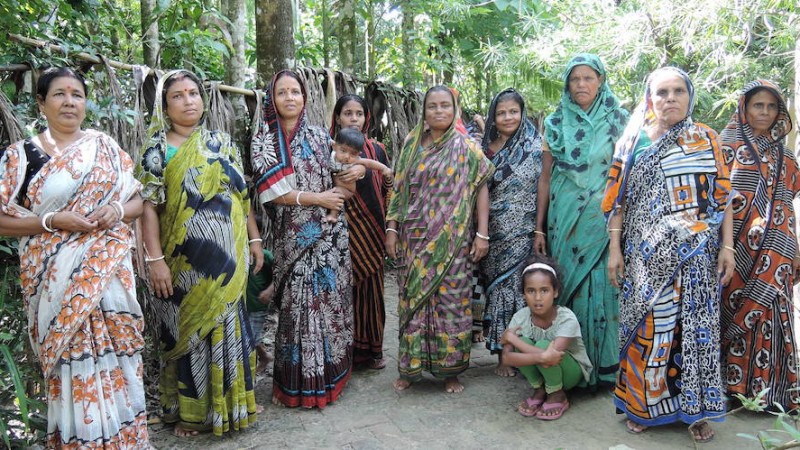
757, 327
68, 194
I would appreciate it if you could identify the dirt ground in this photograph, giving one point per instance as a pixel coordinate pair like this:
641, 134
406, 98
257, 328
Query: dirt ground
371, 415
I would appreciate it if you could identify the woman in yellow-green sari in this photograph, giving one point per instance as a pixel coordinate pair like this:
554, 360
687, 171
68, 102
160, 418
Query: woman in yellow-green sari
196, 227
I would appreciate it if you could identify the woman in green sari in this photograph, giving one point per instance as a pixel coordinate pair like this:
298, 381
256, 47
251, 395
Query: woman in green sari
579, 142
195, 226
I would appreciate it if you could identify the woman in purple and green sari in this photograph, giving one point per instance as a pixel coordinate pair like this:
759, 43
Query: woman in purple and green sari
440, 188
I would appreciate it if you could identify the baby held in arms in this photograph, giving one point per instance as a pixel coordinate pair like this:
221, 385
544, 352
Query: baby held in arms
346, 153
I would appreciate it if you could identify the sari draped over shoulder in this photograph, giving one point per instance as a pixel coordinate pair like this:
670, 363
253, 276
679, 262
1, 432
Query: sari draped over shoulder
313, 344
84, 320
207, 348
582, 144
433, 201
758, 336
674, 191
512, 219
365, 212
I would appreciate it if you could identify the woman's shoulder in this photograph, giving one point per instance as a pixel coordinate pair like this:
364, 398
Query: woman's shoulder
703, 129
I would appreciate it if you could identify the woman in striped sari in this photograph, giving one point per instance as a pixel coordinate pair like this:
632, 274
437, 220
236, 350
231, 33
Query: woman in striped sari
365, 213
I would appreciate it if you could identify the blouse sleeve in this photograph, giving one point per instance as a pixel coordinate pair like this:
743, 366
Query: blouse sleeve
568, 325
150, 172
12, 172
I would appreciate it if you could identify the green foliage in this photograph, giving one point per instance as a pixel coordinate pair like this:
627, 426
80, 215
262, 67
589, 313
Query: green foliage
22, 409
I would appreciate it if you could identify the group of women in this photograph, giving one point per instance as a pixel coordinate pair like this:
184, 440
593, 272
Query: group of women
688, 213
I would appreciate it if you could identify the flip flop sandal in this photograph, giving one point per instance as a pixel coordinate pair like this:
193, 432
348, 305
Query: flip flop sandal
546, 406
530, 406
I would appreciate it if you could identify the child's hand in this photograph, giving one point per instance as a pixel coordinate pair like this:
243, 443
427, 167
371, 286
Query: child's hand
551, 356
509, 336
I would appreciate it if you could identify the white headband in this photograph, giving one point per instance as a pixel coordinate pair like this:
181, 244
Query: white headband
542, 266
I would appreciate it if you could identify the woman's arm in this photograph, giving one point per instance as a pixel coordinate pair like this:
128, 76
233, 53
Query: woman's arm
726, 263
255, 244
616, 264
480, 245
330, 199
542, 203
28, 226
108, 215
158, 271
391, 238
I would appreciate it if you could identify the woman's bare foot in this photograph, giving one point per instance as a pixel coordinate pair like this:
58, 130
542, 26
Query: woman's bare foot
453, 386
401, 384
702, 432
276, 402
634, 428
183, 432
259, 408
477, 336
504, 371
263, 357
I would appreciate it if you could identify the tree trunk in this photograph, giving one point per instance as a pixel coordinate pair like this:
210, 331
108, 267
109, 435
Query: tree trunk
794, 136
274, 37
326, 35
407, 44
369, 44
150, 44
237, 67
347, 35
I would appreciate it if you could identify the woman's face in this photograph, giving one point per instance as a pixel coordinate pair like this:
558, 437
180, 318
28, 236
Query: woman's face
439, 111
508, 116
670, 97
64, 107
761, 111
184, 103
351, 116
288, 98
583, 84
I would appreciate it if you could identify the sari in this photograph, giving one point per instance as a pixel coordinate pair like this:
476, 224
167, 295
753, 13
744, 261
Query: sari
758, 336
365, 212
79, 291
512, 220
313, 343
207, 348
582, 144
433, 201
674, 191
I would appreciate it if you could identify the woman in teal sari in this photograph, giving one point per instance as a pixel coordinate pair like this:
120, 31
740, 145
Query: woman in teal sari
198, 232
579, 142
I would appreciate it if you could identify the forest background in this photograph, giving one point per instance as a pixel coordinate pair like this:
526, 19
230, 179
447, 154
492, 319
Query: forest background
477, 46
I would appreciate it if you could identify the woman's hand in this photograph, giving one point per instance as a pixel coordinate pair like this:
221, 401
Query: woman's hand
540, 244
391, 244
73, 222
330, 199
480, 248
256, 256
726, 264
106, 216
352, 174
160, 279
616, 266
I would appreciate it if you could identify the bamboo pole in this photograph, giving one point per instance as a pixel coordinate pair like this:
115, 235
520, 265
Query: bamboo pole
115, 64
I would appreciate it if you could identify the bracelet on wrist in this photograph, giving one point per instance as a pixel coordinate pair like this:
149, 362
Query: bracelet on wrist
119, 208
482, 236
728, 247
615, 229
542, 233
149, 260
297, 198
253, 241
392, 230
47, 222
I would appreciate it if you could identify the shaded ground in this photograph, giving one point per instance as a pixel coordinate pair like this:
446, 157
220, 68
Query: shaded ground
371, 415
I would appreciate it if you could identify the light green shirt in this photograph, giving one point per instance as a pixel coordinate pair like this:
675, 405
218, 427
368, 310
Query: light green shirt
565, 325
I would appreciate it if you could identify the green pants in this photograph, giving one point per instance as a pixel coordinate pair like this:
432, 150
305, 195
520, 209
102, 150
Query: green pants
565, 375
